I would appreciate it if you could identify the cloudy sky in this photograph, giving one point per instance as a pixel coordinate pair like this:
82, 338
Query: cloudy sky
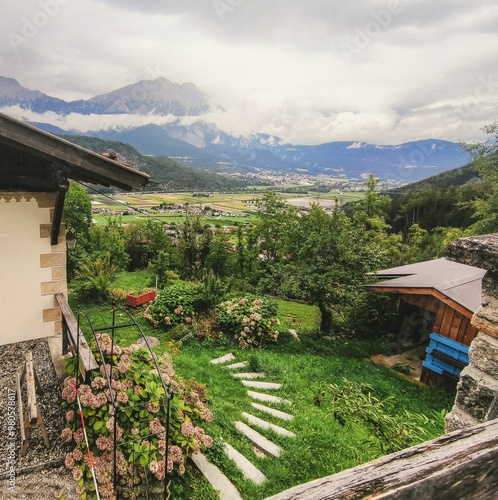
309, 71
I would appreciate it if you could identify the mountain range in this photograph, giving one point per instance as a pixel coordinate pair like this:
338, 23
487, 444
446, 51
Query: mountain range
199, 143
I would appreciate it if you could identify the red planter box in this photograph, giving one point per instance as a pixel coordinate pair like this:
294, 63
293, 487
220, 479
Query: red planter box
138, 300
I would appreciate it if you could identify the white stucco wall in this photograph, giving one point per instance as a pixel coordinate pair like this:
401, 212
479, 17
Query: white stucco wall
22, 303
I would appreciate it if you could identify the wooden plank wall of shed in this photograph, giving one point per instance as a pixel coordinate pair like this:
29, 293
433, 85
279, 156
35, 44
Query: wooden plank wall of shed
448, 322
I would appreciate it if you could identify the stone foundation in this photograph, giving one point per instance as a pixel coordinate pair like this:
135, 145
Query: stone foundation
477, 392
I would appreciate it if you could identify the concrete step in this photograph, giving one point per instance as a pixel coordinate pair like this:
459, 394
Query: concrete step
245, 466
223, 359
261, 385
216, 478
267, 398
258, 440
263, 424
271, 411
234, 366
249, 375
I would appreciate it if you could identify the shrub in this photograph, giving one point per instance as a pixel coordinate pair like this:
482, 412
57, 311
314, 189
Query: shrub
140, 433
206, 329
174, 305
118, 294
213, 290
96, 279
354, 404
250, 320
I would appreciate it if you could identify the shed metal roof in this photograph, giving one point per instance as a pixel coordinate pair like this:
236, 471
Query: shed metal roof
459, 282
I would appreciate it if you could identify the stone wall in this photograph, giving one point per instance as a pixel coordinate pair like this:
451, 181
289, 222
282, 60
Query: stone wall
477, 392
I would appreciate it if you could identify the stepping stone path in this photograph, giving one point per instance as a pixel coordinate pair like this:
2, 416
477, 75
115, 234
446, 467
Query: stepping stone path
261, 385
223, 359
234, 366
217, 479
262, 445
249, 375
265, 445
276, 413
259, 422
247, 468
267, 397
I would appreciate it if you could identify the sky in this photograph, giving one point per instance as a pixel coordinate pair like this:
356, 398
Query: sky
308, 71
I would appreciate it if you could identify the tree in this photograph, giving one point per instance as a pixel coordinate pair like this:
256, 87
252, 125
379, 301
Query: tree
274, 223
78, 210
78, 220
322, 257
485, 156
144, 241
109, 241
329, 263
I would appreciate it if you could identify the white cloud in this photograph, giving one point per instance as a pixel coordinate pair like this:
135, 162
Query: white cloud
279, 67
87, 123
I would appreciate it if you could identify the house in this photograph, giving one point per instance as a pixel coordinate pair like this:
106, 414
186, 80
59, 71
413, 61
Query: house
439, 299
35, 170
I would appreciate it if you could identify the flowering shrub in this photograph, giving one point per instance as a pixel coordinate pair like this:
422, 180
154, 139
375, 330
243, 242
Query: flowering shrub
173, 305
138, 425
250, 320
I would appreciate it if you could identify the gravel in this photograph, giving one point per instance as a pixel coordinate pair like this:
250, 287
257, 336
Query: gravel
40, 474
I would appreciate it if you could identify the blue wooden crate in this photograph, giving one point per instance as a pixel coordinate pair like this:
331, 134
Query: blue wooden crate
441, 367
446, 356
450, 347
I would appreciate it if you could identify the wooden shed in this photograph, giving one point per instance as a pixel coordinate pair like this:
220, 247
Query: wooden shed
35, 169
446, 293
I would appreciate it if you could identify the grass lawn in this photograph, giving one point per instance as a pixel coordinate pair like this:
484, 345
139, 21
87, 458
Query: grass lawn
305, 368
322, 446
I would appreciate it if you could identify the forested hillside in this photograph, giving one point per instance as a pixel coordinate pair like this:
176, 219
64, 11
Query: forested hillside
444, 200
166, 174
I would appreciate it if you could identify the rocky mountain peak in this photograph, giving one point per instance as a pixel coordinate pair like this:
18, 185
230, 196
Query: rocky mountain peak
158, 97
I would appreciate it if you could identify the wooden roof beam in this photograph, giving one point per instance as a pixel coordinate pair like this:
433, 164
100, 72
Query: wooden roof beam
81, 163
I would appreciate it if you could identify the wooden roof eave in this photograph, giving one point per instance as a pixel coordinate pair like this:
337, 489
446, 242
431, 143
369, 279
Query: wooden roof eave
423, 291
82, 164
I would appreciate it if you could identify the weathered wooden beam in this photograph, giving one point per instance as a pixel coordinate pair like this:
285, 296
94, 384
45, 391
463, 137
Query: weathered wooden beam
24, 441
80, 161
32, 410
57, 218
87, 361
455, 466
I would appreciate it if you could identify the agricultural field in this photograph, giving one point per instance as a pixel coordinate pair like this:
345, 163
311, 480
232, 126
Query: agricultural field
232, 208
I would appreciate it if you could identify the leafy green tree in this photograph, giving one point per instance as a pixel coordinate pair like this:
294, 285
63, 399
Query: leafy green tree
485, 156
189, 246
164, 267
109, 241
202, 250
144, 241
273, 226
78, 220
220, 258
331, 257
78, 210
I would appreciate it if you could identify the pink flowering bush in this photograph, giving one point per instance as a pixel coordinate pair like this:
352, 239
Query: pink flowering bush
139, 422
251, 320
174, 305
